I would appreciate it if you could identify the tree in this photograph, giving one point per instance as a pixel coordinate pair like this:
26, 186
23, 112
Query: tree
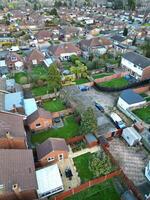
58, 4
88, 122
54, 12
132, 4
54, 77
125, 32
146, 48
134, 41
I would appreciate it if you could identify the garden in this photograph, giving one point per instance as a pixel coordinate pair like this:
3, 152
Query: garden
103, 191
69, 130
101, 75
115, 83
93, 165
143, 113
78, 146
54, 105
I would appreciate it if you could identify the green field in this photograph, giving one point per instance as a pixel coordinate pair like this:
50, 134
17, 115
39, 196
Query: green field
54, 105
41, 90
143, 113
70, 129
115, 83
103, 191
95, 76
81, 81
19, 76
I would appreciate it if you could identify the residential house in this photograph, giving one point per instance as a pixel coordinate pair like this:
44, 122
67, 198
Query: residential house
14, 61
3, 68
137, 65
17, 175
34, 58
12, 132
64, 51
98, 45
39, 120
49, 181
128, 98
43, 35
52, 150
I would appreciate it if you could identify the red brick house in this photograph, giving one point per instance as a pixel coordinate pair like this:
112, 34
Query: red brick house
12, 132
34, 58
17, 175
39, 120
52, 150
43, 35
14, 61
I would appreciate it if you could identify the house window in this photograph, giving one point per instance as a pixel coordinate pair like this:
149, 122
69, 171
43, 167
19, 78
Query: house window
50, 159
34, 62
13, 58
60, 157
38, 125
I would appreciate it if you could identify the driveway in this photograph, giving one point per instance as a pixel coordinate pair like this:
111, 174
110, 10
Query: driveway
131, 159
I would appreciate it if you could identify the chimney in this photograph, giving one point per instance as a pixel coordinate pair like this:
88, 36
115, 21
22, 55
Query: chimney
15, 109
10, 140
17, 191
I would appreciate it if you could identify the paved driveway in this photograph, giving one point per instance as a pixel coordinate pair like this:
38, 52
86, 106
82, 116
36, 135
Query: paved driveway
131, 159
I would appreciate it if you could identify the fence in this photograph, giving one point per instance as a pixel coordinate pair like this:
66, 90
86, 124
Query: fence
142, 89
86, 185
75, 139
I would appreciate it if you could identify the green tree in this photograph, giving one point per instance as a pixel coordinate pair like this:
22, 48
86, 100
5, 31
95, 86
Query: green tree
134, 41
54, 12
58, 4
54, 78
88, 122
125, 32
132, 4
146, 48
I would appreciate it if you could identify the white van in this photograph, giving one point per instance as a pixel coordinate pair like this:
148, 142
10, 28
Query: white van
117, 120
14, 48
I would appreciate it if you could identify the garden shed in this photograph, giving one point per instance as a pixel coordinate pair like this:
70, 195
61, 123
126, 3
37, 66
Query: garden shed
91, 140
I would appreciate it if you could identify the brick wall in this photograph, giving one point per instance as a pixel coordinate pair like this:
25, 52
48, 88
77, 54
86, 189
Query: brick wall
142, 89
75, 139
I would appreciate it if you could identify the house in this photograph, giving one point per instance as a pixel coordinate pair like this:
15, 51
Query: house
17, 175
64, 51
128, 195
118, 39
98, 45
3, 68
137, 65
147, 171
14, 102
43, 35
39, 120
128, 98
34, 58
131, 136
49, 181
14, 61
12, 132
52, 150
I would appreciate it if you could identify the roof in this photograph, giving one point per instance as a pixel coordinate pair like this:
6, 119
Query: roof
38, 113
90, 138
48, 179
2, 63
137, 59
17, 167
118, 38
2, 84
49, 145
48, 62
131, 97
12, 123
128, 195
30, 106
34, 55
12, 99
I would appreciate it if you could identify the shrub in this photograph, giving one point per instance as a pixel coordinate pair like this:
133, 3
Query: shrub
23, 80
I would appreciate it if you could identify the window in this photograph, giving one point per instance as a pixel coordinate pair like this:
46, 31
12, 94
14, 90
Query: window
34, 62
38, 125
50, 159
13, 58
60, 157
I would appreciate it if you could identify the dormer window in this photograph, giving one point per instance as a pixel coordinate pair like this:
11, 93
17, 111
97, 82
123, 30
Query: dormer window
13, 58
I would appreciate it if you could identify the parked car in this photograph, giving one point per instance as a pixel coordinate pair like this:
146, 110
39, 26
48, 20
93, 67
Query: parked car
99, 107
117, 120
83, 88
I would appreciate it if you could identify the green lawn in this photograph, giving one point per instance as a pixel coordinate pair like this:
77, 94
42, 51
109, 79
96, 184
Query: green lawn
39, 70
95, 76
115, 83
81, 81
41, 90
103, 191
54, 105
70, 129
143, 113
18, 76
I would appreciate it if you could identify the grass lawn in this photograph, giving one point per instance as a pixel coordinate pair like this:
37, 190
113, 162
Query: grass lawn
70, 129
81, 81
143, 113
95, 76
103, 191
19, 75
39, 71
41, 90
115, 83
54, 105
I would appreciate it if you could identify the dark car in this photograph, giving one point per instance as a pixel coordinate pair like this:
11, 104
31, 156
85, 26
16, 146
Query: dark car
83, 88
99, 107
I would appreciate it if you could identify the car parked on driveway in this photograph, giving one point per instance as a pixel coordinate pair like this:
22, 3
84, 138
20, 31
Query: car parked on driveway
83, 88
99, 107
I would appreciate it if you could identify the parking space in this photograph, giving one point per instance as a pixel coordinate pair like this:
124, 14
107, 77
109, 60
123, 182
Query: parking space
131, 159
